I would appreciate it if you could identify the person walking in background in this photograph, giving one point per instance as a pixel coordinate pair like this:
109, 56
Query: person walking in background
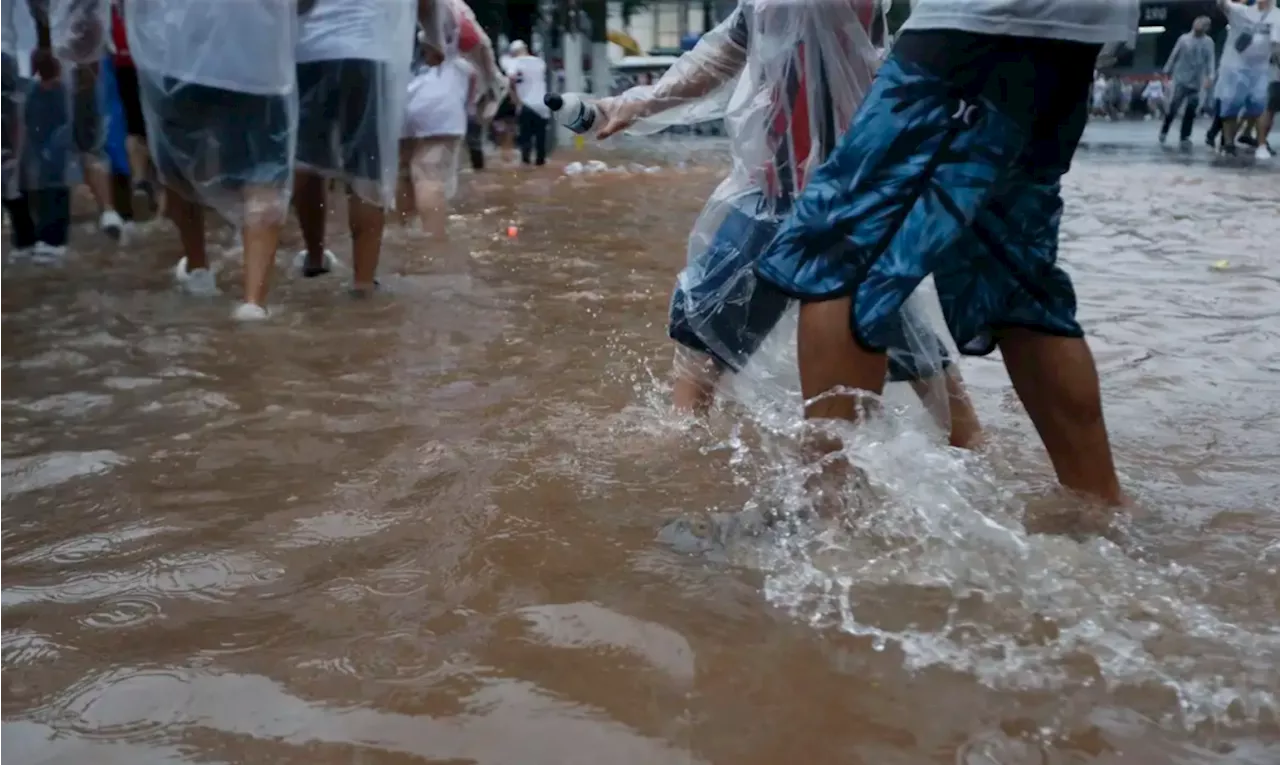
1246, 67
135, 124
1153, 96
435, 122
1268, 118
218, 83
1191, 68
47, 154
353, 70
75, 31
529, 73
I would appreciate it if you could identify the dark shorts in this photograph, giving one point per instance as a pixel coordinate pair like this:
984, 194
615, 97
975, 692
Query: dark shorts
11, 89
1273, 97
719, 302
951, 167
506, 110
131, 100
204, 135
340, 122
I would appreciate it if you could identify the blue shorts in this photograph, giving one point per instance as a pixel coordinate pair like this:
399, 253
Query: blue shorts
1243, 93
951, 167
719, 301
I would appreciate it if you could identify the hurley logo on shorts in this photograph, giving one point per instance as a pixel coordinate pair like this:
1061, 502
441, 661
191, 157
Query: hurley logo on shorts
965, 113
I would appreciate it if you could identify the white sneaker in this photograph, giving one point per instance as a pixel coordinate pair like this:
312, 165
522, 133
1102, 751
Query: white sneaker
111, 224
200, 282
1263, 152
300, 263
48, 253
250, 312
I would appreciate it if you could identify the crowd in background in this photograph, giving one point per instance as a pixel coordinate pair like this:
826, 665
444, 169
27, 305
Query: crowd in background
1237, 88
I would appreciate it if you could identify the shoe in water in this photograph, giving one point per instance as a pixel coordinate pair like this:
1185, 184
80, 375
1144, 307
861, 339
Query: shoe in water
1228, 150
250, 312
1163, 136
1248, 140
48, 253
1263, 152
111, 224
199, 282
330, 262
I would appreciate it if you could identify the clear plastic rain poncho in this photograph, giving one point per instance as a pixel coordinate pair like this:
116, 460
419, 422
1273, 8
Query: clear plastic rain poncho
54, 122
353, 74
786, 76
12, 94
464, 36
218, 85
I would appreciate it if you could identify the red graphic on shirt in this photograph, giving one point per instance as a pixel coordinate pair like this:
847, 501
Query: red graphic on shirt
790, 130
119, 37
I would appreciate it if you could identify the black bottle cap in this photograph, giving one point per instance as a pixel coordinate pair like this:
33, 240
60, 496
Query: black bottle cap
553, 101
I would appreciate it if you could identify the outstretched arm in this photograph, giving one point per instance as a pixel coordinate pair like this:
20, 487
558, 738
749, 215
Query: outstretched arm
715, 61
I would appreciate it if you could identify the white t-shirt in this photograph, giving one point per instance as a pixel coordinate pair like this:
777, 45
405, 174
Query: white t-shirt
1086, 21
9, 42
246, 46
354, 29
1263, 25
530, 75
437, 104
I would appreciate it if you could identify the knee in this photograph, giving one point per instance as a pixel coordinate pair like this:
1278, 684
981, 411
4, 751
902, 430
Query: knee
265, 208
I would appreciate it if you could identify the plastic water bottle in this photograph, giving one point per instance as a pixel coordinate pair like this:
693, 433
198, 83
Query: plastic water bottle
574, 113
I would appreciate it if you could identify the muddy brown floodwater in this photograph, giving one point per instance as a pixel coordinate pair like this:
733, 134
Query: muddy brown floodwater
421, 528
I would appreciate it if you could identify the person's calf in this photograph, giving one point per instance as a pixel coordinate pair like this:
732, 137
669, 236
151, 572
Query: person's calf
957, 417
188, 218
834, 369
1057, 382
264, 213
367, 222
309, 200
693, 384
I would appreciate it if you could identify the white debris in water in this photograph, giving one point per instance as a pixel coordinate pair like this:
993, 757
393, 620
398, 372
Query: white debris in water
596, 166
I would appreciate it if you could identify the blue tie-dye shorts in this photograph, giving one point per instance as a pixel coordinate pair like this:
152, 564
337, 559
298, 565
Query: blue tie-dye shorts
927, 181
721, 309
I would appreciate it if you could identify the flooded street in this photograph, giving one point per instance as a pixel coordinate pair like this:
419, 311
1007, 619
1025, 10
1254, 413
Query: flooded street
421, 528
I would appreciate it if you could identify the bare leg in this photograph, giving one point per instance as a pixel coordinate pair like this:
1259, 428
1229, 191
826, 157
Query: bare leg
1057, 381
962, 425
830, 359
1264, 126
141, 191
262, 219
693, 384
1229, 128
139, 158
309, 200
98, 179
188, 216
428, 188
367, 222
404, 182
